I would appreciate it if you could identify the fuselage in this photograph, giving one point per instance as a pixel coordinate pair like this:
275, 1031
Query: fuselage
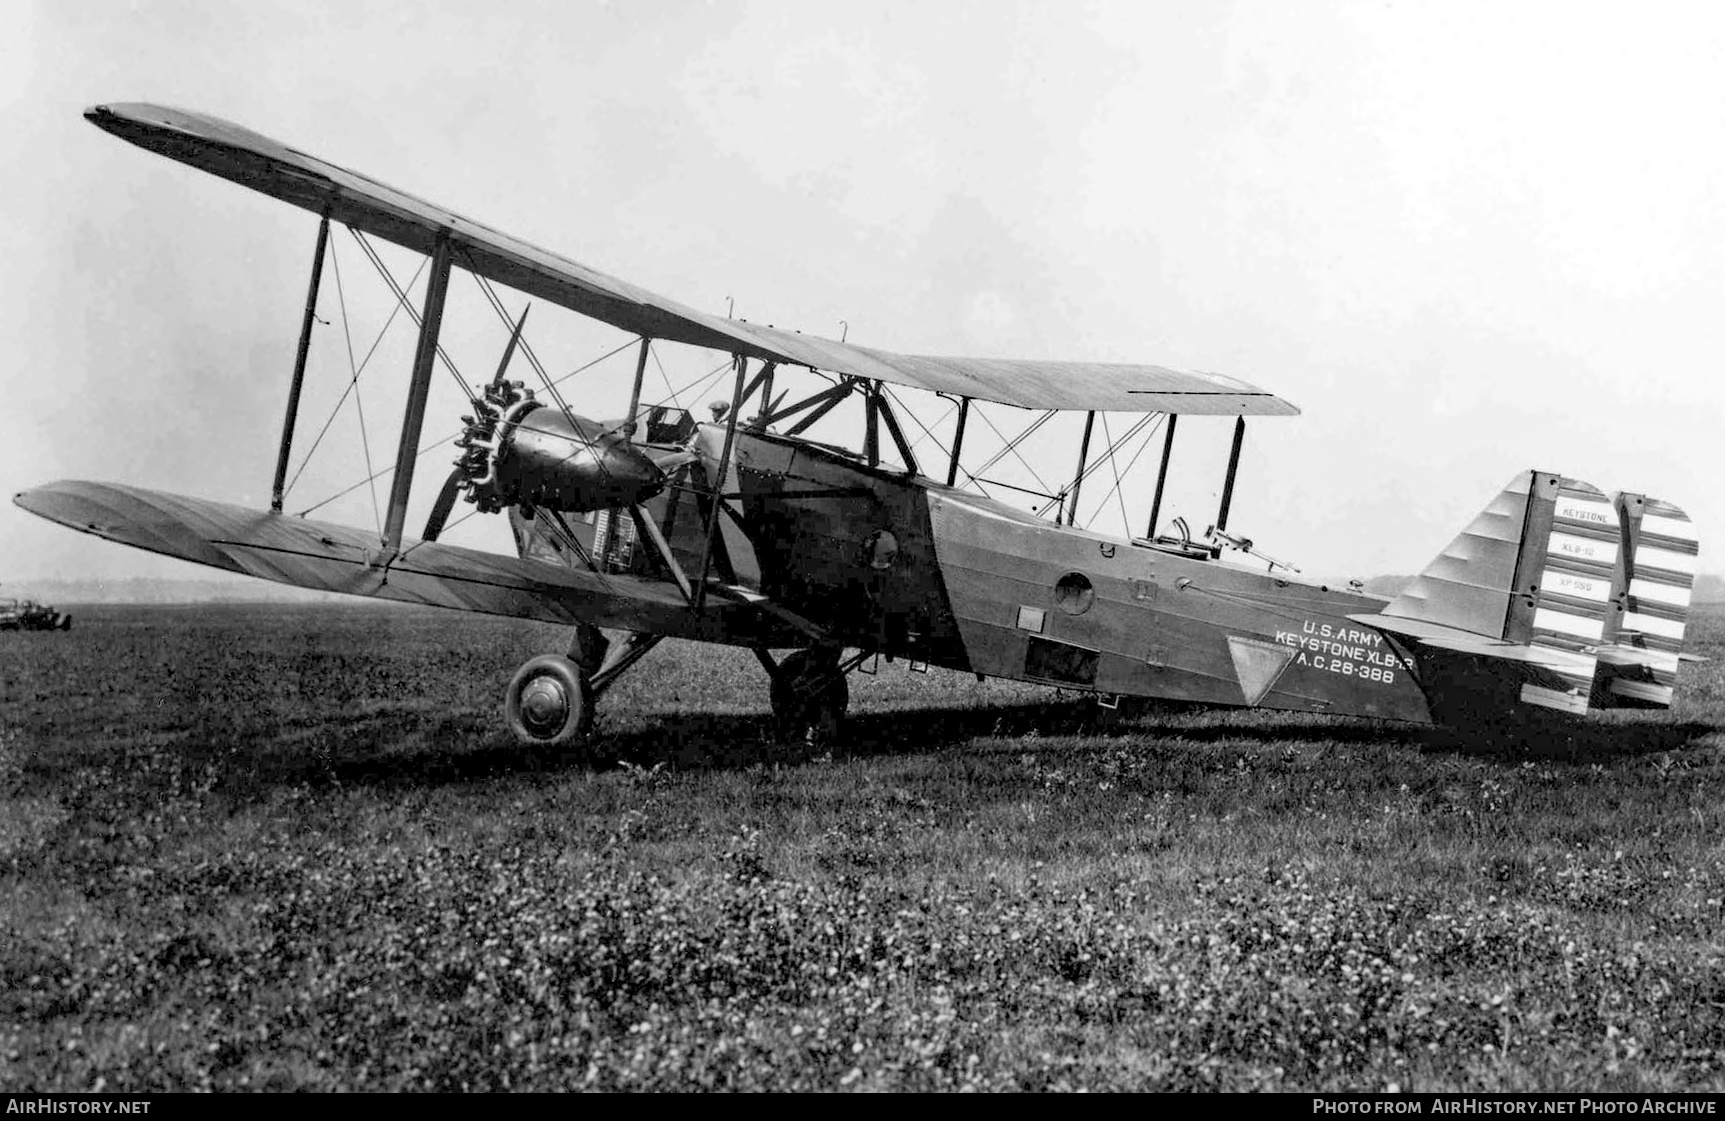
916, 569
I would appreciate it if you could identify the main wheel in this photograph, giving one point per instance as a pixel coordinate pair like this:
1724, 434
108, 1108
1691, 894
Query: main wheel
549, 703
810, 696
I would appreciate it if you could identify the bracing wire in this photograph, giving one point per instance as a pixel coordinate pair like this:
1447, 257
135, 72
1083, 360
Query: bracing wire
916, 420
409, 550
1095, 465
1127, 470
700, 382
1012, 446
353, 384
947, 452
1118, 497
927, 433
532, 359
441, 440
401, 297
333, 413
663, 376
491, 297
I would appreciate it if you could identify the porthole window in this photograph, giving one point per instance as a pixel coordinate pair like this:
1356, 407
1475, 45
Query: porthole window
1073, 593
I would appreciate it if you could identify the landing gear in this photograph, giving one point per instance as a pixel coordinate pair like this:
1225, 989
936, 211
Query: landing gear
588, 647
550, 702
551, 699
809, 695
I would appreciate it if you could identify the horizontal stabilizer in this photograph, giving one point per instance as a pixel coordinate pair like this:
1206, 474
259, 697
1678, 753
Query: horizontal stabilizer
1542, 676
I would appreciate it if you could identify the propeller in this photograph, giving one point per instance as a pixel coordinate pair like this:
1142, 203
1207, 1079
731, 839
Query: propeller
440, 509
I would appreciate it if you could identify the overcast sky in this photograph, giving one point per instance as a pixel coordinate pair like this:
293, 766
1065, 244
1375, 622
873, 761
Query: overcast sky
1466, 239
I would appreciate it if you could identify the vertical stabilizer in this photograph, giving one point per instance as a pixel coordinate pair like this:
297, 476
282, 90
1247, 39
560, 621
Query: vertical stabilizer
1467, 586
1535, 569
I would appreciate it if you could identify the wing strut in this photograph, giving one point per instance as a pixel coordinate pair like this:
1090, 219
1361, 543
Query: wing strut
635, 392
871, 426
1162, 475
718, 482
1078, 478
764, 375
414, 418
896, 432
957, 441
299, 364
823, 403
650, 530
766, 380
1233, 468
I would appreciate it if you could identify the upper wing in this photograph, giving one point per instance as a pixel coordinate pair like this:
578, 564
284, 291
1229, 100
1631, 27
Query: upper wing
266, 165
334, 558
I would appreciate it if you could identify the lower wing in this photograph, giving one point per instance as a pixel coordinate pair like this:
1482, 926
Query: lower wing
334, 558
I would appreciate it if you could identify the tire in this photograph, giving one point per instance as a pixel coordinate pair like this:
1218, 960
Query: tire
809, 696
549, 703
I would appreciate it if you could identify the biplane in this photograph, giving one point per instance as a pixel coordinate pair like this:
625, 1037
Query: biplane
741, 528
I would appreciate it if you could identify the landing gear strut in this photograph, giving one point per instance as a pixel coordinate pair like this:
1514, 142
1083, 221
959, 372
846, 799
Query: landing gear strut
809, 694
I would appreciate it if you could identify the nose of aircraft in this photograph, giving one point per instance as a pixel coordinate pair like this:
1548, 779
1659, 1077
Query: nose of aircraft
520, 450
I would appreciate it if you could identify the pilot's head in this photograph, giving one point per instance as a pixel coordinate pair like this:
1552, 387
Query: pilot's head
882, 550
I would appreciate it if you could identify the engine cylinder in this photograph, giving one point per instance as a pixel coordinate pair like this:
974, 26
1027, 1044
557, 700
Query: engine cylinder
523, 452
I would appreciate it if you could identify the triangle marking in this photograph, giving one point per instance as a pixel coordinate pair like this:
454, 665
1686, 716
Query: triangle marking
1257, 665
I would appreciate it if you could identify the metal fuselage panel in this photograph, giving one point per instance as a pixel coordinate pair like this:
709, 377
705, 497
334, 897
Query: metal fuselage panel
1039, 602
976, 585
816, 519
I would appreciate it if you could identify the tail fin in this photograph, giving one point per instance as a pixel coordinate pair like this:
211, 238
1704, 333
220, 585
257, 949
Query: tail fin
1467, 586
1643, 638
1529, 582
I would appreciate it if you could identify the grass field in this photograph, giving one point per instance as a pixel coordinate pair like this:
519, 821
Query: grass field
291, 847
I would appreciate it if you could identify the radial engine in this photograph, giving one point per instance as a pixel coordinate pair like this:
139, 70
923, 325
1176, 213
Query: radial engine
520, 451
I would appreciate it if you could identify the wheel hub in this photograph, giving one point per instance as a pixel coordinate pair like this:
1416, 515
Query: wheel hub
544, 704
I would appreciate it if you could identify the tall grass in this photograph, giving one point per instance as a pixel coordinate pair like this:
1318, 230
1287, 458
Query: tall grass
290, 847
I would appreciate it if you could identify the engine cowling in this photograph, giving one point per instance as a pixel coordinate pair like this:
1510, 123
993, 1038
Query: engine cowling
520, 451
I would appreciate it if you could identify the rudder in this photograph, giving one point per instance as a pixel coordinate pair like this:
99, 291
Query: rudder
1570, 553
1654, 579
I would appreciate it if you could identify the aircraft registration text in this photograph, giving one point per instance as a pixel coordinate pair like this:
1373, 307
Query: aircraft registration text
1346, 651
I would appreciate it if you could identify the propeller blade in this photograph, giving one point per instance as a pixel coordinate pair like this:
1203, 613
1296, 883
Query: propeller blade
509, 351
444, 504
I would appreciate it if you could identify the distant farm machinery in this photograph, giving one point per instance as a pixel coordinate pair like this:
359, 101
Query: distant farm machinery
28, 615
